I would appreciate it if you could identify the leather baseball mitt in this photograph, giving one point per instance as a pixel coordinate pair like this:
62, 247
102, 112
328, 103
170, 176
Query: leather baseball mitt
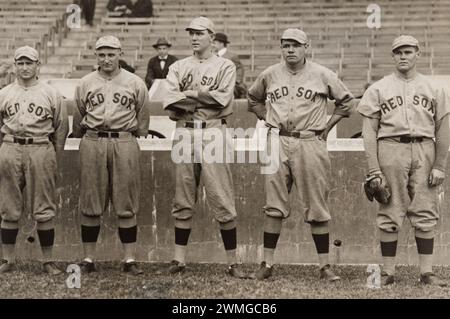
376, 186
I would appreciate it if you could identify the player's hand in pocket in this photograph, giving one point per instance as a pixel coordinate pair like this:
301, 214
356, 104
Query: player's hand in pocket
324, 135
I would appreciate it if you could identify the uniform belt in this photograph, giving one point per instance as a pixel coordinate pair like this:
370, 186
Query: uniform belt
406, 139
299, 134
26, 140
108, 134
200, 124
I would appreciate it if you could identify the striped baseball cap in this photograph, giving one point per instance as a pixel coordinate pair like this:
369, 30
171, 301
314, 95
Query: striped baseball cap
200, 24
108, 41
296, 35
27, 52
405, 40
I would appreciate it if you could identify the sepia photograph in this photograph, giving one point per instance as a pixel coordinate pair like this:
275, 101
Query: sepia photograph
224, 157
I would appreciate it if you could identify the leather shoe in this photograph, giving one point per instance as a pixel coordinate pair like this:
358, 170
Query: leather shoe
176, 267
51, 269
6, 266
328, 274
132, 268
263, 272
431, 279
387, 279
87, 266
234, 271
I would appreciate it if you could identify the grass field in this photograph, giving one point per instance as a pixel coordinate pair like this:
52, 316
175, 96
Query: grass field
211, 281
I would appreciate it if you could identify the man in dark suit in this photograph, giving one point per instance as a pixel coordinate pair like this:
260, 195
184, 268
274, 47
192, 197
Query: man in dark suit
220, 45
129, 8
88, 10
158, 66
142, 8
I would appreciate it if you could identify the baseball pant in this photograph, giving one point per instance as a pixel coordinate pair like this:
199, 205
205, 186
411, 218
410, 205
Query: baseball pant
28, 170
305, 164
407, 167
217, 178
110, 170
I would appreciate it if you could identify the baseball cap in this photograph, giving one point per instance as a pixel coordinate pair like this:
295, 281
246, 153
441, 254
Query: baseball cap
296, 35
109, 41
28, 52
405, 40
200, 24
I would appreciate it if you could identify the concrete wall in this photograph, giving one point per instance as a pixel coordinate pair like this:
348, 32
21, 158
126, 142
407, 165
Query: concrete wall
353, 216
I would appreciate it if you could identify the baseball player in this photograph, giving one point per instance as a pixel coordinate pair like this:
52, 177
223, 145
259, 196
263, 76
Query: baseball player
33, 131
296, 92
112, 109
200, 98
403, 113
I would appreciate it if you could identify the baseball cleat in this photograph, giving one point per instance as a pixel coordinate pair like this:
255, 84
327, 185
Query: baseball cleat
6, 266
87, 266
386, 279
132, 268
51, 269
431, 279
328, 274
263, 272
176, 267
234, 271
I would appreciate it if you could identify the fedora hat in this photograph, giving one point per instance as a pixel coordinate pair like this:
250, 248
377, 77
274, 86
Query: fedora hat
221, 37
162, 41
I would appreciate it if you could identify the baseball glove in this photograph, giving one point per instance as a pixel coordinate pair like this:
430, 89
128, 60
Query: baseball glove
376, 186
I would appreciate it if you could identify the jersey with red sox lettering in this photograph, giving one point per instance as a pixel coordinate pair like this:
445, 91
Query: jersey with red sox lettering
406, 107
33, 125
110, 167
297, 101
214, 78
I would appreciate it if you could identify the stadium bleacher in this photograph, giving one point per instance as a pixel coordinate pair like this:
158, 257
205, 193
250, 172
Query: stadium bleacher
340, 38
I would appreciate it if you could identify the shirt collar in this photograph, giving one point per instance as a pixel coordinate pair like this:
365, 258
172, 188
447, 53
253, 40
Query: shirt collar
397, 74
27, 87
222, 51
298, 71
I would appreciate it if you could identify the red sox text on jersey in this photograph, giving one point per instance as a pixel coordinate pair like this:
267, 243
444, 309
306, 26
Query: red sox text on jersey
94, 100
404, 108
118, 104
392, 103
39, 111
283, 91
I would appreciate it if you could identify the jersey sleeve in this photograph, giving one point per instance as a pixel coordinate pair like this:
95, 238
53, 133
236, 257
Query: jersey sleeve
142, 109
257, 97
369, 105
343, 98
1, 124
239, 68
224, 93
79, 112
442, 104
173, 94
60, 123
